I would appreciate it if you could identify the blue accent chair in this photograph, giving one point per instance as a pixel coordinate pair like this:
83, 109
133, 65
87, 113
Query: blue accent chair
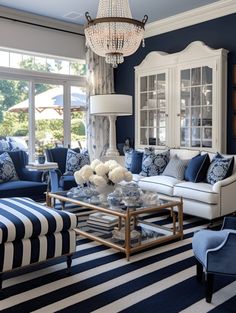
215, 253
30, 182
58, 179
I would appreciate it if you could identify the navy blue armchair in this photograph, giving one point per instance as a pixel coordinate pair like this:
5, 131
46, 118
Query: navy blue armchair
215, 253
59, 179
30, 182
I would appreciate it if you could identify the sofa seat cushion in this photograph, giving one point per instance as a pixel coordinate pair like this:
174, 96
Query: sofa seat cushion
196, 191
160, 184
22, 188
67, 182
23, 218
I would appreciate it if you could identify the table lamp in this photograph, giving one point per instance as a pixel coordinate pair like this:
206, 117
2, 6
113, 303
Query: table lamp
111, 105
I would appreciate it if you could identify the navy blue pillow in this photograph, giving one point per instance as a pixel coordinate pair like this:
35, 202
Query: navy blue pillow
136, 162
197, 168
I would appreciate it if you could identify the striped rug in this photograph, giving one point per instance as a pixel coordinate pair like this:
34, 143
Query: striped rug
158, 280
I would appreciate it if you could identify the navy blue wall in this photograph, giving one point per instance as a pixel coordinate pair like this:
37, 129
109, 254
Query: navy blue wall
218, 33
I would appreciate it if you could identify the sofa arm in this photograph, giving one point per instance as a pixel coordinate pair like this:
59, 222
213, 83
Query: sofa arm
35, 176
224, 183
227, 195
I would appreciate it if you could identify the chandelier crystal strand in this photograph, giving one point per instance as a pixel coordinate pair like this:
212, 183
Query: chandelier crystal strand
114, 34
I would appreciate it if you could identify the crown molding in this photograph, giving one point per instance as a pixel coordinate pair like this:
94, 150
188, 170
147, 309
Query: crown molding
191, 17
38, 20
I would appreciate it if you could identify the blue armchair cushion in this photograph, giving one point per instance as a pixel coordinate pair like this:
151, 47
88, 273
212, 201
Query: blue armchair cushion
22, 188
197, 168
7, 168
220, 168
75, 161
154, 164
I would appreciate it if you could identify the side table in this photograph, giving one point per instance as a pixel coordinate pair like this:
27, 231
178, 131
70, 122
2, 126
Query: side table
50, 167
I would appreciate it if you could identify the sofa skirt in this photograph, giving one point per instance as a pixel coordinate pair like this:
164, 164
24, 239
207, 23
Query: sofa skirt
33, 250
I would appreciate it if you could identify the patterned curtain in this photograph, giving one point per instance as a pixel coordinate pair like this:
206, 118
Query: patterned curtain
100, 80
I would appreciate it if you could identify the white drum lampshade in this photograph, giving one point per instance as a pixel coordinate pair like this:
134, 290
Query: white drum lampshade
111, 105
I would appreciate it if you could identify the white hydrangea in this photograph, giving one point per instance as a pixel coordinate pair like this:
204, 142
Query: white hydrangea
111, 164
99, 181
94, 163
109, 170
117, 174
78, 178
91, 178
102, 169
86, 172
128, 176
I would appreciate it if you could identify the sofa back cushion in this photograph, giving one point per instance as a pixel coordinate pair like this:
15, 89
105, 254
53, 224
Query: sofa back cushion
154, 164
183, 154
7, 168
197, 168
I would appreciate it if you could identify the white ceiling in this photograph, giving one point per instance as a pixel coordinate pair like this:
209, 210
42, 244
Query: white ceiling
58, 9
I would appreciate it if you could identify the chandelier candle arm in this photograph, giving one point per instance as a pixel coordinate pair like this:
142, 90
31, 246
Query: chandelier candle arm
114, 34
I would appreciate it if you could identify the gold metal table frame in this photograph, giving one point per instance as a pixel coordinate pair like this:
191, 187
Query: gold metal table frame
129, 218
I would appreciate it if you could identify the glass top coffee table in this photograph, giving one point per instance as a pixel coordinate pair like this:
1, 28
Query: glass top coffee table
125, 229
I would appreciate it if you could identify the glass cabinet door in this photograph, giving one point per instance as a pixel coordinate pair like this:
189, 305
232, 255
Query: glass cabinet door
152, 118
196, 107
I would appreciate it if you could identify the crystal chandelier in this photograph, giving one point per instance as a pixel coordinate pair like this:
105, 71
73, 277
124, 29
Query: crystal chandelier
114, 34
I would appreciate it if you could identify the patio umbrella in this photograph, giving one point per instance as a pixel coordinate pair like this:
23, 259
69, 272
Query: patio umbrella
49, 104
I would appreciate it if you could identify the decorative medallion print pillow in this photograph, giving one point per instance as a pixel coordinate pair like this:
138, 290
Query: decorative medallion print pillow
154, 164
75, 161
7, 168
220, 168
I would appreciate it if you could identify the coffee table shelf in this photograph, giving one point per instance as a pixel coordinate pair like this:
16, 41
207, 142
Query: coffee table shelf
132, 232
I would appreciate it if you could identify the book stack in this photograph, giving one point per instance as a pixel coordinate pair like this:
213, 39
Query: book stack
102, 222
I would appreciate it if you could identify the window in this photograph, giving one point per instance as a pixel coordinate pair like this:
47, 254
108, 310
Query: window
43, 109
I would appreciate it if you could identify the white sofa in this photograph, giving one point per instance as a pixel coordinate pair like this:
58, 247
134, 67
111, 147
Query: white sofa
199, 199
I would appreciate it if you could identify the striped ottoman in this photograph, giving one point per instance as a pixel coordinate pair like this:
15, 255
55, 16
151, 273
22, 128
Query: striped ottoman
31, 233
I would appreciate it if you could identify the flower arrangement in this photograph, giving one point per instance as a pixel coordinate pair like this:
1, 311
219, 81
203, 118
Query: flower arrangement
101, 174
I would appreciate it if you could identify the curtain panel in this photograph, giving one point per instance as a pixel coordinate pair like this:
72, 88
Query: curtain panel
100, 80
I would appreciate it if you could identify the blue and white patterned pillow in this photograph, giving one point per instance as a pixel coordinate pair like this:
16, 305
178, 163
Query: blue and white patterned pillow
219, 169
7, 168
154, 164
128, 158
75, 161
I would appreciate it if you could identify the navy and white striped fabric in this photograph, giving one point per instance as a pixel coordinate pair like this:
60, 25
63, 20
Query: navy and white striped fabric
160, 279
22, 218
28, 251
